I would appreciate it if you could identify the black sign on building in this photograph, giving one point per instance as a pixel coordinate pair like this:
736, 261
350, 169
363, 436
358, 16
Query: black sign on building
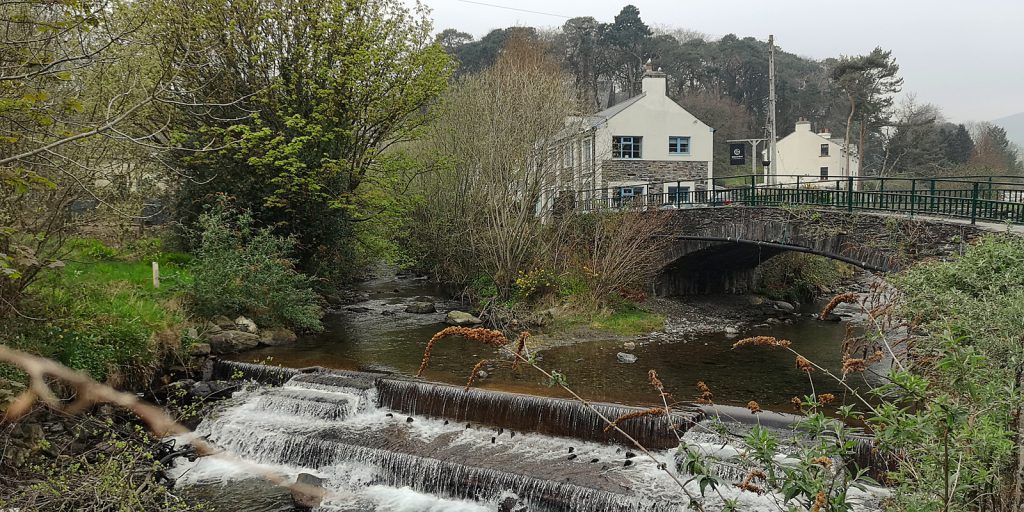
737, 154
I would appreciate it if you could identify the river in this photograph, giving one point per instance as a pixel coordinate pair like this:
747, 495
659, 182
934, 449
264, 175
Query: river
376, 334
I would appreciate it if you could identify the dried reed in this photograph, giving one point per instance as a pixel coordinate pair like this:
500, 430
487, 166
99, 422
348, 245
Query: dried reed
706, 395
655, 411
803, 364
478, 334
762, 341
853, 365
849, 297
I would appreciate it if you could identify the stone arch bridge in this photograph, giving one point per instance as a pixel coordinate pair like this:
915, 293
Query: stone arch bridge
716, 249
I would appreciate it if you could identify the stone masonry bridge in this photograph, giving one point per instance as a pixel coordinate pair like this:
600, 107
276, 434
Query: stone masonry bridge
716, 249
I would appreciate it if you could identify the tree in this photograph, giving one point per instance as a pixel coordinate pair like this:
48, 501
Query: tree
86, 89
451, 40
580, 39
478, 213
334, 87
868, 81
627, 40
957, 143
993, 151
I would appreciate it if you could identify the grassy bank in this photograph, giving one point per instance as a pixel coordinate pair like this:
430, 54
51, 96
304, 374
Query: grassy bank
100, 312
626, 320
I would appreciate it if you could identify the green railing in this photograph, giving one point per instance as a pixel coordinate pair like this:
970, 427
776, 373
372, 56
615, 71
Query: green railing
975, 198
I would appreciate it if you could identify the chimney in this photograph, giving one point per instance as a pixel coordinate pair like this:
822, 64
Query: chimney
803, 125
653, 82
825, 132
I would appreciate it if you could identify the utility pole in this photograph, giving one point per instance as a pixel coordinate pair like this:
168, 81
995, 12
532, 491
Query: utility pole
773, 161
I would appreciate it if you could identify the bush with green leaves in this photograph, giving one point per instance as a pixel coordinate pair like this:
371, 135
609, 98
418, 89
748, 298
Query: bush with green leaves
798, 277
242, 269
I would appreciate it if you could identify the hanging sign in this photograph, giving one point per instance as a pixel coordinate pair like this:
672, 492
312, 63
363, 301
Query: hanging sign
737, 154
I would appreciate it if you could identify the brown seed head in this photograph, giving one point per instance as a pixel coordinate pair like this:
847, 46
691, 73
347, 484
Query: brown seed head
706, 395
819, 502
754, 407
478, 334
803, 364
822, 461
654, 411
837, 300
762, 341
853, 365
826, 398
796, 402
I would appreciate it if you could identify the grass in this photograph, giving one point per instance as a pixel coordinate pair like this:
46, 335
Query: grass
629, 323
101, 314
626, 320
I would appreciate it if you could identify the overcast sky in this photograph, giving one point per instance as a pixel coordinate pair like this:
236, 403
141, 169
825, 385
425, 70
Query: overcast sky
966, 57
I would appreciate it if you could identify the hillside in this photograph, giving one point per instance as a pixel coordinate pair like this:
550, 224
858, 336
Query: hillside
1014, 126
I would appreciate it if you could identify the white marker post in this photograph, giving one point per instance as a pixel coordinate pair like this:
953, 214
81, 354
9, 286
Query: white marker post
156, 275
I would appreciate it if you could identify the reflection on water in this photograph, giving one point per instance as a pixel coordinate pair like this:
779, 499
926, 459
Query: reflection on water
395, 340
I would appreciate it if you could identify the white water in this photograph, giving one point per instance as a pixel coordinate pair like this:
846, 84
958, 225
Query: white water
375, 459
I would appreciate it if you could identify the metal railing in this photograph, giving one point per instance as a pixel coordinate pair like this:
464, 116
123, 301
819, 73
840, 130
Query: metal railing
990, 199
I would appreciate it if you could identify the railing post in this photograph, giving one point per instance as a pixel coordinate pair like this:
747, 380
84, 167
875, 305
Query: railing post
753, 190
913, 199
974, 203
931, 194
849, 193
881, 193
677, 194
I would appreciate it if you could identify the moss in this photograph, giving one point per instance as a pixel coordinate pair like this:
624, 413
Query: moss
625, 320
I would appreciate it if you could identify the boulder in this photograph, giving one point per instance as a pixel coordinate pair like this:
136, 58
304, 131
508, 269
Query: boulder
629, 345
421, 308
209, 390
625, 358
784, 306
199, 349
461, 318
732, 330
310, 491
358, 309
274, 336
223, 322
229, 342
246, 325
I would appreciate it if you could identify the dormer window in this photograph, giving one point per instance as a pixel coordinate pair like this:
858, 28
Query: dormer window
626, 146
824, 150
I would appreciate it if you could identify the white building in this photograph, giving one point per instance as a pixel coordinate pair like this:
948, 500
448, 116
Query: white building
646, 139
813, 156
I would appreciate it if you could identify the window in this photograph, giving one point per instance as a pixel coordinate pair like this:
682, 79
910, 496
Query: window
824, 173
626, 146
679, 145
677, 195
624, 195
567, 159
824, 150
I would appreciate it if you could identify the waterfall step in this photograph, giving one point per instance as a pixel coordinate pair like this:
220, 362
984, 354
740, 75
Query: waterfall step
448, 459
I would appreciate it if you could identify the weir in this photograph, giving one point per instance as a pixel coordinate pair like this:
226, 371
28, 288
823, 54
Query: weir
554, 416
367, 435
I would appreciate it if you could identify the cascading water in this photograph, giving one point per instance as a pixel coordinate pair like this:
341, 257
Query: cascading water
386, 443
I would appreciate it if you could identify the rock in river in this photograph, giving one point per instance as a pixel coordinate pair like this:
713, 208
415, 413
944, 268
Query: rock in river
461, 318
274, 336
229, 342
625, 358
420, 307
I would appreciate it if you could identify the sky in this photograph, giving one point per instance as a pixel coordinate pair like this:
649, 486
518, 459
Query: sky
965, 57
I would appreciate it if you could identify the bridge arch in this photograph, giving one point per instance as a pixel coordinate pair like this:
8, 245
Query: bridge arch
716, 250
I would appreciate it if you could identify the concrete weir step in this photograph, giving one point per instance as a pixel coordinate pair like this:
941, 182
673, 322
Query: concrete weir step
459, 460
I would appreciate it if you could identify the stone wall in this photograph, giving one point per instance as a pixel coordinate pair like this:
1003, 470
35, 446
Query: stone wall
653, 170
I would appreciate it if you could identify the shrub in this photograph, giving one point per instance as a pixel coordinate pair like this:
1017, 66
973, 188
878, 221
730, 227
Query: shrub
240, 269
798, 277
